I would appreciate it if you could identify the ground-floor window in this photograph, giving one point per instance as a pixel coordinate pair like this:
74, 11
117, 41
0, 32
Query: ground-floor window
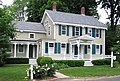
20, 48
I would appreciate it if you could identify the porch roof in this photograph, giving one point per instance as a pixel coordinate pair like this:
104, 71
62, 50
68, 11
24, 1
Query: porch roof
85, 37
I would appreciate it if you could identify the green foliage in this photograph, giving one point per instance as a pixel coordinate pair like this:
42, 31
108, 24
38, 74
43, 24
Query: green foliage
71, 63
101, 62
117, 57
44, 60
59, 66
36, 8
6, 32
17, 60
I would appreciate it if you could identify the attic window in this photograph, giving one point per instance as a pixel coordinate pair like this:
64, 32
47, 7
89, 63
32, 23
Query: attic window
31, 35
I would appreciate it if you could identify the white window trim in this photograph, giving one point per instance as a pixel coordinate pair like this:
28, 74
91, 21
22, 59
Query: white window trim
98, 50
23, 49
33, 34
49, 30
65, 30
75, 31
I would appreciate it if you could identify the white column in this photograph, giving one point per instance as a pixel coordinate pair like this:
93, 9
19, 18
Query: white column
82, 52
71, 54
15, 49
78, 49
90, 52
33, 51
27, 54
31, 71
37, 51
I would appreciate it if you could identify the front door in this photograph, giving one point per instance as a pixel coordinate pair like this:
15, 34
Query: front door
31, 51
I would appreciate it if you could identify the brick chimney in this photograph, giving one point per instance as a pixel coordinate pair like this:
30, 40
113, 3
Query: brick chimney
82, 11
54, 5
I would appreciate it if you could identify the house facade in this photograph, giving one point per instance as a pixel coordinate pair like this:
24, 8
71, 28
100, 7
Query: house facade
61, 36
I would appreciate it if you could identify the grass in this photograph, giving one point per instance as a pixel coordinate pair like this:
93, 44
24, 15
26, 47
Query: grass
91, 71
13, 72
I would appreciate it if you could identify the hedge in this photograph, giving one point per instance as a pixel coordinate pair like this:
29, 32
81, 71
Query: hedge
71, 63
117, 57
101, 62
17, 60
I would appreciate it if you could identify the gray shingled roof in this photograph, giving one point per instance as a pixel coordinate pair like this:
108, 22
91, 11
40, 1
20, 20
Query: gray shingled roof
30, 26
74, 18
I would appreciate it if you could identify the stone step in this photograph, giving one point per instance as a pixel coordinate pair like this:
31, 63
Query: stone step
32, 61
88, 63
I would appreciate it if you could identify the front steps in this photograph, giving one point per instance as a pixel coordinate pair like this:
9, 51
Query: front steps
88, 63
32, 61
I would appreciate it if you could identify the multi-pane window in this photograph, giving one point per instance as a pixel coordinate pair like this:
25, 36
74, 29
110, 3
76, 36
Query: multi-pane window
98, 49
51, 45
77, 31
90, 31
97, 33
31, 35
63, 30
63, 45
20, 50
49, 30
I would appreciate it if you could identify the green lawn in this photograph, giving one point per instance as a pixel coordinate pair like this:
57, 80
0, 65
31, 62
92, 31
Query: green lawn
13, 72
91, 71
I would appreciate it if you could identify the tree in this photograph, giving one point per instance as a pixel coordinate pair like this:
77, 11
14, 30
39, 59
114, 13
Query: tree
6, 32
36, 8
114, 7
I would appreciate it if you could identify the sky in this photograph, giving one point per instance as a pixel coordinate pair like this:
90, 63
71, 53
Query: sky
101, 12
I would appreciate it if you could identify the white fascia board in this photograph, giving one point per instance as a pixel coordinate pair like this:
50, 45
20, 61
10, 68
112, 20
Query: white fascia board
48, 16
31, 31
79, 25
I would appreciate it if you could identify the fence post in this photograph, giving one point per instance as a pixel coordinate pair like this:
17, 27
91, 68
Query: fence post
31, 71
111, 58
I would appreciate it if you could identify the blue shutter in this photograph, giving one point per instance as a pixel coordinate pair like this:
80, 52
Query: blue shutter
55, 48
59, 48
59, 30
67, 30
85, 49
80, 31
100, 49
46, 47
86, 30
93, 49
93, 32
100, 33
73, 30
67, 48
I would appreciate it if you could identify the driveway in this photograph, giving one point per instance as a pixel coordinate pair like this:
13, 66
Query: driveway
115, 78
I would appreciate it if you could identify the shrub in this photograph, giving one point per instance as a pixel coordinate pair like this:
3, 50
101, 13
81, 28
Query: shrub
101, 62
71, 63
117, 57
17, 60
59, 66
44, 60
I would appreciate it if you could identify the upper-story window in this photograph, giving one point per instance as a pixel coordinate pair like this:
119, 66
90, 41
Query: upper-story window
49, 30
31, 35
77, 31
90, 31
63, 30
97, 33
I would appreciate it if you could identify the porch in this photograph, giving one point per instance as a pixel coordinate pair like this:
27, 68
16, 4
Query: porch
24, 49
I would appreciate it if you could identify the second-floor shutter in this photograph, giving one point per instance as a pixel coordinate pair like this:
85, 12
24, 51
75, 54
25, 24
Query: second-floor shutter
73, 30
67, 30
80, 31
86, 30
100, 34
93, 32
59, 30
93, 49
